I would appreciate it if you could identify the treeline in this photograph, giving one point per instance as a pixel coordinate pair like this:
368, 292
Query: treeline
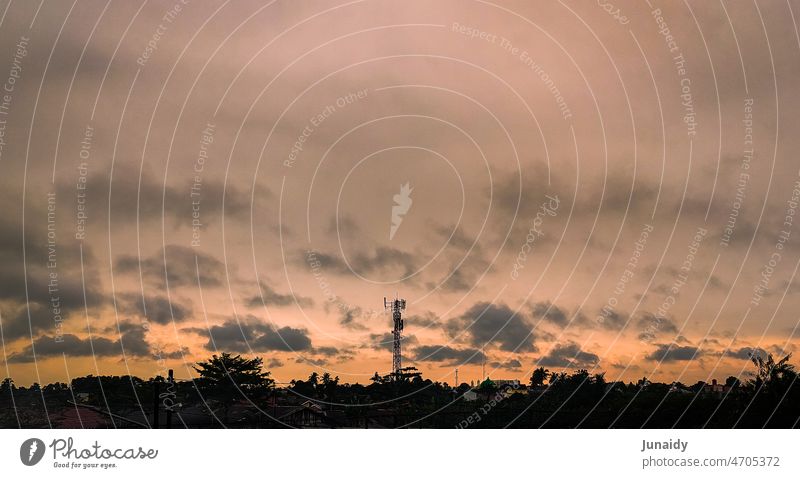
237, 391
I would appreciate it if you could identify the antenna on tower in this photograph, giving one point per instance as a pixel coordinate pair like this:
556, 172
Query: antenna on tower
396, 306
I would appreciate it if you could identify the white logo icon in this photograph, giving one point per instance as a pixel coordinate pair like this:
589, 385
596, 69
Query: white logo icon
31, 451
402, 203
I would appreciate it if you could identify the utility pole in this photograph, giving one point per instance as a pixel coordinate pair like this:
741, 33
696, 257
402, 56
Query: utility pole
171, 390
156, 399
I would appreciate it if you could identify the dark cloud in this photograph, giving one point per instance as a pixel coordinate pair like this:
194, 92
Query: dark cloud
568, 355
625, 366
467, 264
180, 265
136, 199
29, 280
317, 362
382, 260
746, 353
270, 296
674, 353
450, 355
327, 262
156, 308
341, 355
131, 342
327, 351
175, 354
286, 339
347, 226
20, 321
716, 283
512, 365
348, 318
612, 320
385, 341
426, 319
273, 363
457, 239
32, 286
652, 326
462, 277
549, 312
252, 335
485, 323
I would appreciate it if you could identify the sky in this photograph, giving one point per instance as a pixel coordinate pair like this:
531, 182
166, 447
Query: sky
572, 185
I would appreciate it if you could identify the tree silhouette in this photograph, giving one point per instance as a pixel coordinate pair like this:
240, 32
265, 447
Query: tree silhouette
577, 398
557, 377
772, 376
313, 379
599, 379
226, 377
539, 376
328, 386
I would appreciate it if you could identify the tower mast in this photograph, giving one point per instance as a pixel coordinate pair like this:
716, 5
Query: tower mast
397, 306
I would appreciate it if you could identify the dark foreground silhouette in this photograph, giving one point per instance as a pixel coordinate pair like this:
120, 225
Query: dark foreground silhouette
232, 391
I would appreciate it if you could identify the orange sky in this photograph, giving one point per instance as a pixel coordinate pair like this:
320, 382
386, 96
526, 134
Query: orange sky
590, 188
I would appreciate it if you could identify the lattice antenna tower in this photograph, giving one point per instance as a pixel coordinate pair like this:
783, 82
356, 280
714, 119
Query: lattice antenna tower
396, 306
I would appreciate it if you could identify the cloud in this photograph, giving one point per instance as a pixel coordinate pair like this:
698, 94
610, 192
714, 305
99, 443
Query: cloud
179, 265
155, 308
612, 320
745, 353
347, 226
348, 318
651, 326
568, 355
512, 365
20, 321
327, 262
384, 259
132, 341
426, 319
485, 323
136, 199
273, 363
327, 351
28, 280
30, 289
270, 296
319, 362
385, 341
462, 277
674, 353
252, 335
549, 312
444, 353
467, 264
381, 260
174, 355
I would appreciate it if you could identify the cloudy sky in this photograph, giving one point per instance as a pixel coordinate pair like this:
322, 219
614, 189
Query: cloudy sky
597, 185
